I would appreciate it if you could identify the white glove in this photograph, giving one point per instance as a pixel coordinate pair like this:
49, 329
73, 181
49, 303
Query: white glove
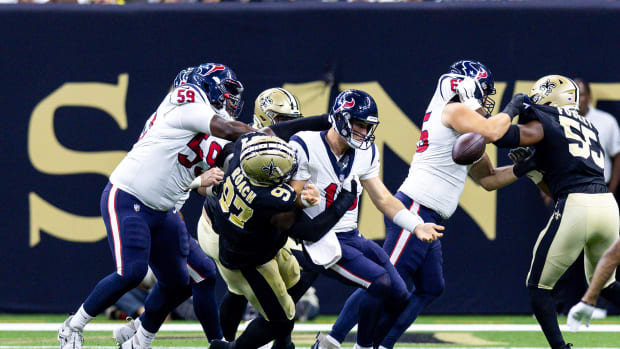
470, 93
580, 312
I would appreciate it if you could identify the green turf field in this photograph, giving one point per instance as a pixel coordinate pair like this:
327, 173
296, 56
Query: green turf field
440, 339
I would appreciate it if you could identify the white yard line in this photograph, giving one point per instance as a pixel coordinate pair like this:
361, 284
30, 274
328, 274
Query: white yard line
344, 347
323, 327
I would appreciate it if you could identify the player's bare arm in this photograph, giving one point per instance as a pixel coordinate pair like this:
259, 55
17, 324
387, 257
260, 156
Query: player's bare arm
463, 119
390, 206
227, 129
489, 177
531, 133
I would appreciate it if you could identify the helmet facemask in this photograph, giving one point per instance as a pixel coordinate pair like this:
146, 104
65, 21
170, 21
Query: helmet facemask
231, 97
348, 132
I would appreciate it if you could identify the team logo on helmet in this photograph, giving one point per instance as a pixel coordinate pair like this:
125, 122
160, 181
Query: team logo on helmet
265, 102
482, 74
345, 105
547, 87
271, 169
215, 68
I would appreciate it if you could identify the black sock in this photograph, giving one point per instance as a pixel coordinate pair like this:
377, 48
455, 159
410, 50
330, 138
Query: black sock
544, 309
260, 332
612, 293
232, 308
285, 342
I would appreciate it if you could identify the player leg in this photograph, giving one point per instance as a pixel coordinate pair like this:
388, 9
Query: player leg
203, 275
169, 251
602, 233
129, 240
366, 265
557, 247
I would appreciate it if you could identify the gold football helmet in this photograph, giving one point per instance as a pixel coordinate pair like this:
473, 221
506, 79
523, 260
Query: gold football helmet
556, 91
268, 161
275, 103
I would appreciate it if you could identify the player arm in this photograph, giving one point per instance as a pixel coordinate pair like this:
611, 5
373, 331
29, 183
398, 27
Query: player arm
228, 129
313, 229
287, 129
462, 119
615, 174
489, 177
604, 269
396, 211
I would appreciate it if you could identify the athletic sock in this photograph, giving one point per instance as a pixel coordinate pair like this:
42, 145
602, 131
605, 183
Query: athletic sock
232, 308
612, 293
544, 310
144, 337
205, 307
80, 319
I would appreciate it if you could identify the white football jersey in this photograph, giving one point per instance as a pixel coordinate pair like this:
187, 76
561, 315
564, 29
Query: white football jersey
434, 179
173, 149
319, 165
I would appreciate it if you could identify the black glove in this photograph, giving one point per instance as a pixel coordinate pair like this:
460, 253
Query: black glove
519, 103
346, 198
524, 160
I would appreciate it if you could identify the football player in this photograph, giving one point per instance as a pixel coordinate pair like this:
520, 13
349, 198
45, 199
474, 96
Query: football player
245, 229
461, 104
328, 159
138, 203
569, 156
275, 104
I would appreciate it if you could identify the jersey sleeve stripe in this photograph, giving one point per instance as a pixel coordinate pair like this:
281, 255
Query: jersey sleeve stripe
301, 142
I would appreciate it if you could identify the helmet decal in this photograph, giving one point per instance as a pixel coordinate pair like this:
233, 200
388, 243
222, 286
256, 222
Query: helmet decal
345, 105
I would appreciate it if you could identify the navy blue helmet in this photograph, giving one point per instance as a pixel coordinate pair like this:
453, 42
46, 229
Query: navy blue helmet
480, 73
355, 106
219, 83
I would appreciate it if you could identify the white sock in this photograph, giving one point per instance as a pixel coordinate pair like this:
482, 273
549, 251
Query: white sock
144, 337
332, 340
357, 346
80, 319
137, 324
382, 347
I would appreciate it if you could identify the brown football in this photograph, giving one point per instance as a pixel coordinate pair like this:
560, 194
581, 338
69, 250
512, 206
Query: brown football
468, 148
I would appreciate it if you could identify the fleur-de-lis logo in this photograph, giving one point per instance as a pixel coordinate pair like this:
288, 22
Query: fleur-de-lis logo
557, 215
270, 169
547, 87
265, 102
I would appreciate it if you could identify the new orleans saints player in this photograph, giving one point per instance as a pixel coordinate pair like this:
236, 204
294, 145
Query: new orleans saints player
253, 217
569, 156
275, 105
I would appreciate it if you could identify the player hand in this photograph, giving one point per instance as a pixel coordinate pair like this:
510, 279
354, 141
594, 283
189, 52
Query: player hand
427, 232
524, 160
579, 313
211, 177
519, 103
310, 195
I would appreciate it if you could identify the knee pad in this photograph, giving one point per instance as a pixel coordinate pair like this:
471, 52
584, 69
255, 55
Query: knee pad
135, 273
434, 288
380, 287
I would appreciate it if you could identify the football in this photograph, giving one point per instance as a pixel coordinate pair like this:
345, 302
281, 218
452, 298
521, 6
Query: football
468, 148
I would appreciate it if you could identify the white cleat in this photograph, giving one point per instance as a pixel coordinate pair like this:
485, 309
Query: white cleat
122, 333
69, 337
132, 343
323, 342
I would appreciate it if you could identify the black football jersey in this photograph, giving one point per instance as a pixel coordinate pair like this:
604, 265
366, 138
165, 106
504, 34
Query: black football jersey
241, 215
570, 154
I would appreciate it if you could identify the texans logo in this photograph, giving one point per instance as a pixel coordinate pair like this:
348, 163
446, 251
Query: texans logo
215, 68
345, 105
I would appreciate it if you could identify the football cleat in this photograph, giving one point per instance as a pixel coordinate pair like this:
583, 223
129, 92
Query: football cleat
132, 343
322, 342
220, 344
69, 337
123, 333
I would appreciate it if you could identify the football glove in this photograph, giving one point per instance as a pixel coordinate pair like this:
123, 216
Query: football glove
519, 103
578, 314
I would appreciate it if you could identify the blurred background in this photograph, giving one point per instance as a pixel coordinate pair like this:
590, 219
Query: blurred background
80, 80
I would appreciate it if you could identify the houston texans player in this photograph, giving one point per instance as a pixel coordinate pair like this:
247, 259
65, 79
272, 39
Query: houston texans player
569, 155
327, 159
138, 203
432, 190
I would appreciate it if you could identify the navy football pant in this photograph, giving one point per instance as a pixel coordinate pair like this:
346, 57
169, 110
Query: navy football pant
366, 265
420, 265
139, 236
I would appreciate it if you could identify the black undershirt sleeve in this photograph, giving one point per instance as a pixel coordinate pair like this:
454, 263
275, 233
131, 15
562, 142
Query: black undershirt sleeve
287, 129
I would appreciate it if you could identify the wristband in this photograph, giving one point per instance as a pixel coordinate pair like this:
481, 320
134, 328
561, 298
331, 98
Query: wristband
407, 220
196, 183
209, 190
304, 202
535, 176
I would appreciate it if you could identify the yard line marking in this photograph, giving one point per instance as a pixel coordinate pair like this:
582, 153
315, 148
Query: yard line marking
344, 347
324, 327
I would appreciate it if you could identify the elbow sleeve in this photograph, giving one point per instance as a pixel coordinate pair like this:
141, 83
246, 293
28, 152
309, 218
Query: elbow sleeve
511, 139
